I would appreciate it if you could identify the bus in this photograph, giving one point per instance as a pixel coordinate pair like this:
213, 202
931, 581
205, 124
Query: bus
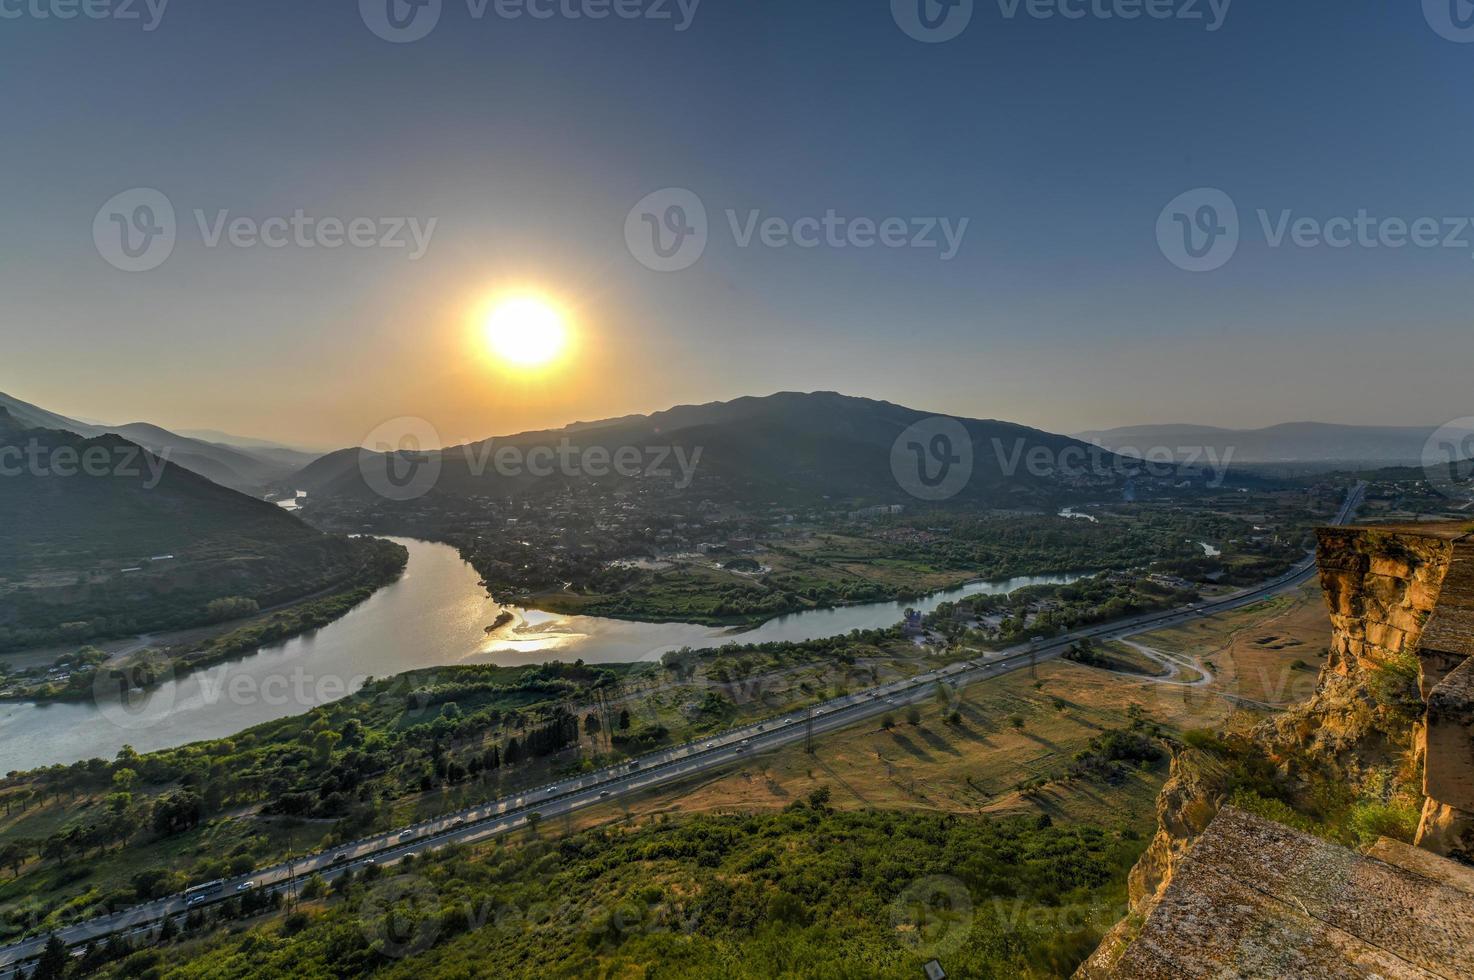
197, 894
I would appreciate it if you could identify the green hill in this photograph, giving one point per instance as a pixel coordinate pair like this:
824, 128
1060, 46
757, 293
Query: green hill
101, 538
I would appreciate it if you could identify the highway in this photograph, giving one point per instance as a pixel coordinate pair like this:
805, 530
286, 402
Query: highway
697, 758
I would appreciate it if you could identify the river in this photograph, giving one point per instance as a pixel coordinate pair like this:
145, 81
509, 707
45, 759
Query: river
435, 615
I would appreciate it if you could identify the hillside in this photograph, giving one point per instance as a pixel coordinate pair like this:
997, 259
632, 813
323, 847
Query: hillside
130, 542
793, 447
246, 467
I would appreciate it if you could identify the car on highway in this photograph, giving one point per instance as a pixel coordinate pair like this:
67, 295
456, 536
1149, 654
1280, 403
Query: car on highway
245, 886
407, 834
341, 858
603, 793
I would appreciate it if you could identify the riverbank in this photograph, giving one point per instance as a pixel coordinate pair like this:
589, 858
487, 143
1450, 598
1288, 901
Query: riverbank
80, 676
435, 615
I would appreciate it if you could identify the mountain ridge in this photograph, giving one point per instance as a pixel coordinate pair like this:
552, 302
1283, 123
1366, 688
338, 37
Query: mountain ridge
236, 467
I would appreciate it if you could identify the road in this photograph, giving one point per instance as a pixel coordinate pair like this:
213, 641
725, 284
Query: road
697, 758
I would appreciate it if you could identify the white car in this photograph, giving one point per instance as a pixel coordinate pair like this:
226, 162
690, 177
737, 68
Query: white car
245, 886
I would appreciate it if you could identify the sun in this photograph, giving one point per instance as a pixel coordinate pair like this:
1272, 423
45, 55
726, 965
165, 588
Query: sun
525, 331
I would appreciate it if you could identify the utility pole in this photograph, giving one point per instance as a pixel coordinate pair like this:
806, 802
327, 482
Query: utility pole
291, 871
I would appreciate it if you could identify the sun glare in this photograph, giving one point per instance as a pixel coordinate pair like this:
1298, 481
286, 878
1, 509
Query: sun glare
525, 331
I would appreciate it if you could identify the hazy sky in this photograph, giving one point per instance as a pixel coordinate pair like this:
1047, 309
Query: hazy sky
529, 141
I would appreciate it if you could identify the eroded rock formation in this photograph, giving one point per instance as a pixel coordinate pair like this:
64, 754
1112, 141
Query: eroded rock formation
1396, 695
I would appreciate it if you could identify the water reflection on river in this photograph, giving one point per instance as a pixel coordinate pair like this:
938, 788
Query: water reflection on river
435, 615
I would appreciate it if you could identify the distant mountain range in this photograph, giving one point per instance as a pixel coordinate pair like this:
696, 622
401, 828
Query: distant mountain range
1291, 442
101, 538
788, 446
247, 465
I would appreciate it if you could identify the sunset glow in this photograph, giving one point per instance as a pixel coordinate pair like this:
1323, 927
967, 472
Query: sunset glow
525, 332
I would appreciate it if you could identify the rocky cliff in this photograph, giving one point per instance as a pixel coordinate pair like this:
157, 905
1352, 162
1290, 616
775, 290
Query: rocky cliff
1394, 708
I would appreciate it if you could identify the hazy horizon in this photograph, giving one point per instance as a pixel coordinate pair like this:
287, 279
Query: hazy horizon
186, 427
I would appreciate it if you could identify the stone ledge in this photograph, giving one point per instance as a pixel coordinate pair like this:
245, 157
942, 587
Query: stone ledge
1424, 863
1255, 899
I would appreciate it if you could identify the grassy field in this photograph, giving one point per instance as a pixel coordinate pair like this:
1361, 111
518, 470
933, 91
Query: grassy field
1006, 746
1269, 653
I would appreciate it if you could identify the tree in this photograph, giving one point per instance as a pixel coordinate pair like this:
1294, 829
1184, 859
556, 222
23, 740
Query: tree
179, 811
913, 715
624, 719
54, 960
591, 723
124, 780
13, 856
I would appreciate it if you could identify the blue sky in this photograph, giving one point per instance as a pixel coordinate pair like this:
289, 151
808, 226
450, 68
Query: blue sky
529, 141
